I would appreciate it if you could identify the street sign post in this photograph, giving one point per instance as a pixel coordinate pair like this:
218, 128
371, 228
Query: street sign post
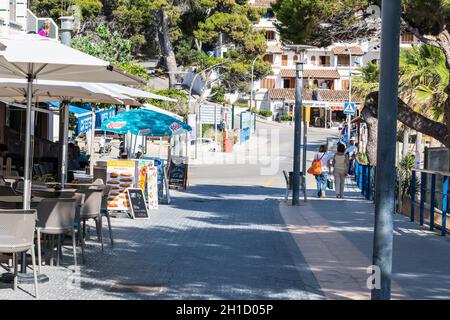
349, 108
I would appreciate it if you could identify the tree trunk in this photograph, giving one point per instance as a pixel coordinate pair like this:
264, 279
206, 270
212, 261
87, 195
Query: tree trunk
372, 131
165, 45
407, 116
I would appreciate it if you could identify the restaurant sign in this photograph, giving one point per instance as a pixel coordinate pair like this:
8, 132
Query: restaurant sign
116, 125
84, 124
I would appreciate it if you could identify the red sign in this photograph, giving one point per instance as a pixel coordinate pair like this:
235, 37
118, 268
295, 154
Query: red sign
174, 127
116, 125
144, 131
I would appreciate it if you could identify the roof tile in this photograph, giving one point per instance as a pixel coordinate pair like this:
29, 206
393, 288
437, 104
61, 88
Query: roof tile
325, 94
355, 51
312, 73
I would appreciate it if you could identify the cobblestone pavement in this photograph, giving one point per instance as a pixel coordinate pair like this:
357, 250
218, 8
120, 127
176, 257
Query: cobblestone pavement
215, 242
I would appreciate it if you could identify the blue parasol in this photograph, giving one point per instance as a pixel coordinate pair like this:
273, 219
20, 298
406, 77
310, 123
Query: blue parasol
143, 122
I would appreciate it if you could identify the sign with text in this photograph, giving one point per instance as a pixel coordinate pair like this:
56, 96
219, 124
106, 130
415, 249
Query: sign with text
120, 175
246, 120
84, 124
244, 135
178, 171
137, 203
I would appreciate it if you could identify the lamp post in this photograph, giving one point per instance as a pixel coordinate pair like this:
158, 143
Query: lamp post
349, 130
252, 92
387, 132
297, 132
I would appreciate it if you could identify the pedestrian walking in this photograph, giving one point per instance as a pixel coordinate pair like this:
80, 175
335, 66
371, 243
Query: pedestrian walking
351, 152
340, 163
320, 168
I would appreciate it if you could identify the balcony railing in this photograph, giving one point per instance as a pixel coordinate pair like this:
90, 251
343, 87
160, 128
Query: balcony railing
34, 24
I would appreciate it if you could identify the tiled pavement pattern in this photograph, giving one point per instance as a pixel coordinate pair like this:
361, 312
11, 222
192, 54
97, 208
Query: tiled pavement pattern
215, 242
335, 237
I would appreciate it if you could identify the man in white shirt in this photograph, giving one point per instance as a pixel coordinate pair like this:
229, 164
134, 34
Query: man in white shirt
351, 151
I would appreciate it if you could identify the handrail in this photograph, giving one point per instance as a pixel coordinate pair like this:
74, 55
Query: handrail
441, 173
422, 198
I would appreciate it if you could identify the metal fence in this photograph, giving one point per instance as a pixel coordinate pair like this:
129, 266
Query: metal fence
428, 196
433, 192
365, 179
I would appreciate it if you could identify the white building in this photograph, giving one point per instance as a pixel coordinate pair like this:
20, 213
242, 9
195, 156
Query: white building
15, 17
326, 69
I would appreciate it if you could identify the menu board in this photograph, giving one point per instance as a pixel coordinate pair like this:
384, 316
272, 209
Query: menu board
152, 187
159, 164
148, 181
144, 165
137, 203
120, 175
178, 173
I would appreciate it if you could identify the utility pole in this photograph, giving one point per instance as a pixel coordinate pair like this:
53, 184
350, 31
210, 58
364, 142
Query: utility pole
387, 132
252, 89
297, 132
66, 39
349, 130
305, 144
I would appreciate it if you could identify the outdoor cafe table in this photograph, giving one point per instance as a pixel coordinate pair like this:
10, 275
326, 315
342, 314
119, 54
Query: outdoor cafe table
18, 201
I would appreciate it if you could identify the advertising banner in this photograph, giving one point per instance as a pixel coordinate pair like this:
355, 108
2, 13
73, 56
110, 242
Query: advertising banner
120, 175
191, 120
244, 135
84, 124
152, 187
148, 181
246, 120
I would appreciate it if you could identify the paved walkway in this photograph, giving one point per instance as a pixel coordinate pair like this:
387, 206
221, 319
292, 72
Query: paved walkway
335, 237
215, 242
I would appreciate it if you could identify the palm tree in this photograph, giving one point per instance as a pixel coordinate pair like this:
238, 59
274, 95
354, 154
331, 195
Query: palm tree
367, 82
423, 78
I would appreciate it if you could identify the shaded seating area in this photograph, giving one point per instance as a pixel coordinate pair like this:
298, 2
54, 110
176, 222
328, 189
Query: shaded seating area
60, 215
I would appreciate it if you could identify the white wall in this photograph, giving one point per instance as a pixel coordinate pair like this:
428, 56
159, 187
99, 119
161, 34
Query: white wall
199, 82
53, 126
4, 12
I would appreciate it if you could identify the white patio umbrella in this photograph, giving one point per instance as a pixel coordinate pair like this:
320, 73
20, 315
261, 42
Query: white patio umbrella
34, 57
15, 90
50, 90
149, 106
135, 93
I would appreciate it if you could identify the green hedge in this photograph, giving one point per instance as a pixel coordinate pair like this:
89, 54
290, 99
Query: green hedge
286, 117
265, 113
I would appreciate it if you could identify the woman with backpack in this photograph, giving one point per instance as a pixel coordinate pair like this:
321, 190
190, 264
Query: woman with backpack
320, 168
341, 164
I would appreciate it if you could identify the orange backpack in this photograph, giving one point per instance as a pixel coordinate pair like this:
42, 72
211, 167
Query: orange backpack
316, 166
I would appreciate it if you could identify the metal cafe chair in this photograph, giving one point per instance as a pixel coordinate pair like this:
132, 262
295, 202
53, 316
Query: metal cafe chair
16, 236
56, 217
91, 209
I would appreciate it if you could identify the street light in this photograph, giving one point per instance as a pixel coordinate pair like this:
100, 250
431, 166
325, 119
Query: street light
251, 92
349, 131
297, 132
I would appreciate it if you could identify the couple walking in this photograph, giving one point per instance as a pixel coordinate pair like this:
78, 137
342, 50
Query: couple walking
325, 163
